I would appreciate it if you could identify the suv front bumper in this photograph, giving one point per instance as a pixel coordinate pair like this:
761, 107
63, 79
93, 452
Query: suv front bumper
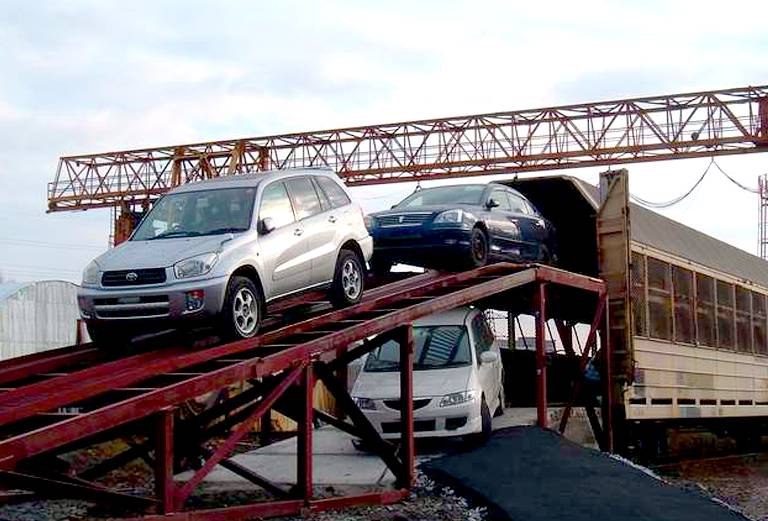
152, 303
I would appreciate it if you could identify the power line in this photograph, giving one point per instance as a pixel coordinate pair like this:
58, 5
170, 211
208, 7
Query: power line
679, 198
732, 180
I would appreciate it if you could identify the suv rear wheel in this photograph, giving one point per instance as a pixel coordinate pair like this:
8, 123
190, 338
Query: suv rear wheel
348, 280
243, 304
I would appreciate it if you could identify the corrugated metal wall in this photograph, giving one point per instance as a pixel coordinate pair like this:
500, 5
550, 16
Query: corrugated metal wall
37, 317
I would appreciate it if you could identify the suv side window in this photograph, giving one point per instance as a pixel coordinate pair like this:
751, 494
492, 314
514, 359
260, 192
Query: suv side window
500, 196
276, 205
482, 334
334, 192
519, 205
324, 202
304, 197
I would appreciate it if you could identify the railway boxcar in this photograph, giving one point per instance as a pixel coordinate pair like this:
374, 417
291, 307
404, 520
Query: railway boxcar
687, 311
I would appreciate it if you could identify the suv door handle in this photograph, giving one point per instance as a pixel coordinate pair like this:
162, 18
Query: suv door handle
332, 219
298, 231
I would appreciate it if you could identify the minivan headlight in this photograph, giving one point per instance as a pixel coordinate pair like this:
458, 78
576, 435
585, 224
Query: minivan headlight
457, 398
91, 274
368, 220
365, 404
195, 266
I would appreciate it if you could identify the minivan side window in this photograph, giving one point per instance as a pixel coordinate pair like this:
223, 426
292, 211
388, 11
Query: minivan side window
304, 198
335, 194
482, 334
276, 205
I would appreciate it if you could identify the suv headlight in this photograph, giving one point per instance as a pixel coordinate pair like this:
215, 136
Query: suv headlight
195, 266
91, 274
457, 398
452, 217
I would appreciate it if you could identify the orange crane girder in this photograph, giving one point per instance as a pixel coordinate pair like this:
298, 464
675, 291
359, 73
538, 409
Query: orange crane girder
730, 121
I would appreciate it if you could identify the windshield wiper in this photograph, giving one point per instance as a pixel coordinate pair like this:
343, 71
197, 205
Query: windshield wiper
229, 229
174, 233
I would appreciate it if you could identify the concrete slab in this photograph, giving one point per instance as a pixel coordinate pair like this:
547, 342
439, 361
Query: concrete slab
335, 462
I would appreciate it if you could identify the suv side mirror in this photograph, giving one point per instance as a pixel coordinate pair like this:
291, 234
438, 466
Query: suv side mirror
267, 225
492, 203
489, 357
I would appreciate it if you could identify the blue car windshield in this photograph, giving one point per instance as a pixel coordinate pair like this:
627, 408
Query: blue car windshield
435, 347
205, 212
444, 195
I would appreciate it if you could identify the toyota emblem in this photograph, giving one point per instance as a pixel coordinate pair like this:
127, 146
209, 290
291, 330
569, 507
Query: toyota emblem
131, 276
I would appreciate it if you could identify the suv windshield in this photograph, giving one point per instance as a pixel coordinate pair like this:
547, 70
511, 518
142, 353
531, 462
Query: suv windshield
206, 212
435, 347
461, 194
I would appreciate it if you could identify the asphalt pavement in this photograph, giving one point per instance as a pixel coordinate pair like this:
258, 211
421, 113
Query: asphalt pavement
528, 474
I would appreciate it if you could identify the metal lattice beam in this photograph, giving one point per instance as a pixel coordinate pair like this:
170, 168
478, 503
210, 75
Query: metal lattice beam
699, 124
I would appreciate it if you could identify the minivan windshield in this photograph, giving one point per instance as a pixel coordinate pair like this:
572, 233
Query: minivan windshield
435, 347
442, 195
205, 212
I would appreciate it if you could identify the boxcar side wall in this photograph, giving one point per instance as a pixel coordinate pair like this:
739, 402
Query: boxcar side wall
700, 343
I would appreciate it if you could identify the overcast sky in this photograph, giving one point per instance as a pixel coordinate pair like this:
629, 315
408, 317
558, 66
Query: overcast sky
84, 77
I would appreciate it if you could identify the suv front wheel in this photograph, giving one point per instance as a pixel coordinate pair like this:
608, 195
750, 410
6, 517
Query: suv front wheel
348, 280
243, 304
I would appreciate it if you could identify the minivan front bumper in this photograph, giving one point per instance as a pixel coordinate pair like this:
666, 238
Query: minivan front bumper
430, 420
151, 303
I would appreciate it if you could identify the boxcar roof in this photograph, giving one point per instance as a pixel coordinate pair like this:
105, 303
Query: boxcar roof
655, 230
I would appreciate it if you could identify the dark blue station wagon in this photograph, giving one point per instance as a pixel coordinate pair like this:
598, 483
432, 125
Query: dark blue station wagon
459, 227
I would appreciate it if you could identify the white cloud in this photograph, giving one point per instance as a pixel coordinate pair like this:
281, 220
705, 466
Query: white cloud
90, 76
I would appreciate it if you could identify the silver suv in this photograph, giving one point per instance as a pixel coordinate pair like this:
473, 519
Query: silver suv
220, 250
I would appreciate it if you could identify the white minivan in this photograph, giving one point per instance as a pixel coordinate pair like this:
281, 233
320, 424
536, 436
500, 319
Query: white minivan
457, 379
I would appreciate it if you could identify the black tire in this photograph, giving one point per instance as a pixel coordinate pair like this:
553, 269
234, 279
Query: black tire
108, 336
478, 249
243, 309
481, 438
348, 280
380, 266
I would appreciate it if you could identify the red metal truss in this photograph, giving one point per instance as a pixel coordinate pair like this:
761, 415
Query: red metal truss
729, 121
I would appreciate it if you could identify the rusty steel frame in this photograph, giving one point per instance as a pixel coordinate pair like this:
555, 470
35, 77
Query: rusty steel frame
287, 372
700, 124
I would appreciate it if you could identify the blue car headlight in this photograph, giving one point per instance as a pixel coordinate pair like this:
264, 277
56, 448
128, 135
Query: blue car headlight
454, 217
450, 217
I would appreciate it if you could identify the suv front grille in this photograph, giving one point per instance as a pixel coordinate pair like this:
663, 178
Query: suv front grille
406, 219
133, 277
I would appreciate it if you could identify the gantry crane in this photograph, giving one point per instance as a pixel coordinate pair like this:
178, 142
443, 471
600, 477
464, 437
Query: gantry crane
730, 121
